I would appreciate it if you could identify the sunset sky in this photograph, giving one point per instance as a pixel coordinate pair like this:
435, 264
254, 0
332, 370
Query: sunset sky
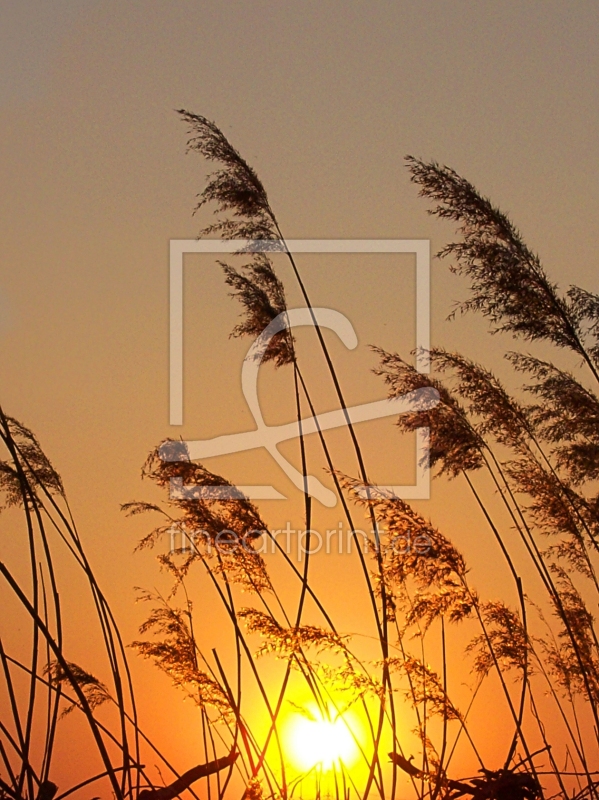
324, 99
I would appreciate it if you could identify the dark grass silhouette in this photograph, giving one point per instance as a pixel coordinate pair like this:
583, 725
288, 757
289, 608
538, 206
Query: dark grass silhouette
58, 686
536, 447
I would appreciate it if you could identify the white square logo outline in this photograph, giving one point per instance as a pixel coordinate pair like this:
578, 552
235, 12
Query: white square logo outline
419, 247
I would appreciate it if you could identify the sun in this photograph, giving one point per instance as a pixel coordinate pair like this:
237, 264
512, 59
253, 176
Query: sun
314, 740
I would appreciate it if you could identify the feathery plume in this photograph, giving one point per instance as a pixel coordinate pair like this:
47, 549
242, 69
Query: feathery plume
286, 642
260, 291
36, 466
508, 283
453, 445
96, 693
176, 654
425, 687
234, 188
507, 637
431, 562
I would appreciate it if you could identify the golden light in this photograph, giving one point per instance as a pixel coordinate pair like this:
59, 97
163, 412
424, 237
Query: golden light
313, 740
